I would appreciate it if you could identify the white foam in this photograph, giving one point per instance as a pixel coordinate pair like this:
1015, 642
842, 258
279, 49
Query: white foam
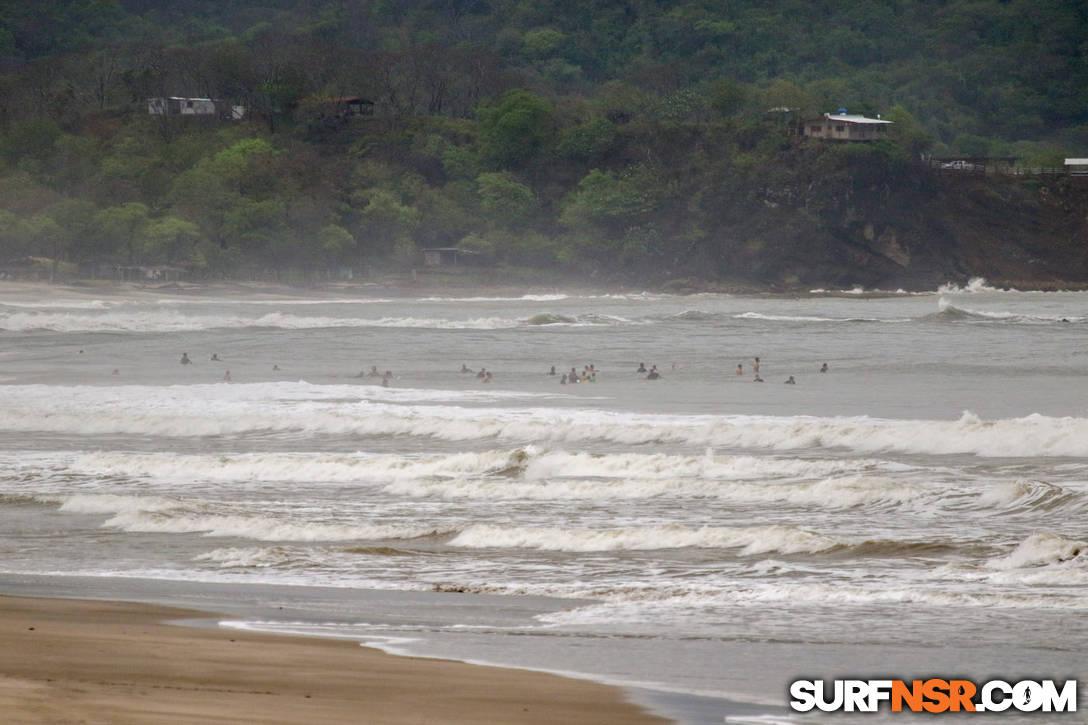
309, 467
974, 286
113, 504
750, 540
261, 528
1043, 549
945, 306
62, 304
523, 298
155, 514
252, 557
205, 410
175, 321
529, 473
809, 318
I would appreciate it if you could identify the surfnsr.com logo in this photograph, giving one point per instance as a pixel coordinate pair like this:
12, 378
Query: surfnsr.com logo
934, 695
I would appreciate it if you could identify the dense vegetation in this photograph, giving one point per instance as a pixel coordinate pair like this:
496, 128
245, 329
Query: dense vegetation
628, 139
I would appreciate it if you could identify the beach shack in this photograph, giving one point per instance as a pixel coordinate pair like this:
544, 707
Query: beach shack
843, 126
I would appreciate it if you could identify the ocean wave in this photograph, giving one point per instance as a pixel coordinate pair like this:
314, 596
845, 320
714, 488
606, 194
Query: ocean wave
172, 321
1023, 495
859, 291
848, 492
750, 540
61, 304
209, 410
555, 297
312, 467
974, 286
235, 557
175, 321
155, 514
531, 474
695, 315
947, 312
1044, 549
14, 500
586, 319
808, 318
550, 318
277, 302
662, 604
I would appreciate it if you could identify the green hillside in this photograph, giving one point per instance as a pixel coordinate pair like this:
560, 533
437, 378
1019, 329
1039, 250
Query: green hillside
626, 141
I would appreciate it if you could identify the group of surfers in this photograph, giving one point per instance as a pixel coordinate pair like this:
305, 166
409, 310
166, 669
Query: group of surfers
588, 374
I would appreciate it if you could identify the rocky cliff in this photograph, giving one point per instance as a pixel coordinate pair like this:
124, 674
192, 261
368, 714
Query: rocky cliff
859, 218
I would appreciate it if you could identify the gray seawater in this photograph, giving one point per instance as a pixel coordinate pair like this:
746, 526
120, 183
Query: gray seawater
920, 509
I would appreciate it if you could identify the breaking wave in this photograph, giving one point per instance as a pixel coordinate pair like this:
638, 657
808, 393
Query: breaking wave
149, 514
312, 410
533, 474
974, 286
1044, 549
947, 312
806, 318
172, 321
750, 540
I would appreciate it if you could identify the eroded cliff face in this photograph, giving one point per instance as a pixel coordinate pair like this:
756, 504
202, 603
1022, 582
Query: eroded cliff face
906, 226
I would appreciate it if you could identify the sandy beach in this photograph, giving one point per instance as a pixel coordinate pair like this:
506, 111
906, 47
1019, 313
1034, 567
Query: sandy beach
67, 661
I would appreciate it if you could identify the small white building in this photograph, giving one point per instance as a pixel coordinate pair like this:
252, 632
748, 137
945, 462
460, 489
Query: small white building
843, 126
1077, 167
178, 106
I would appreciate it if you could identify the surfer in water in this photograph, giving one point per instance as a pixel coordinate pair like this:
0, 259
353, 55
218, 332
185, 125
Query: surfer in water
791, 381
184, 359
823, 368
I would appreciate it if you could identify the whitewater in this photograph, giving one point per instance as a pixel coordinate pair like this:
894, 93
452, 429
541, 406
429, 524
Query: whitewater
919, 509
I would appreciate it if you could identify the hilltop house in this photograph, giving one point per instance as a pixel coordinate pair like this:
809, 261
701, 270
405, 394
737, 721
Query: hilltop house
178, 106
843, 126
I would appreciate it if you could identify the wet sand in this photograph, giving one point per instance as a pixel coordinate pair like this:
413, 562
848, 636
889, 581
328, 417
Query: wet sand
66, 660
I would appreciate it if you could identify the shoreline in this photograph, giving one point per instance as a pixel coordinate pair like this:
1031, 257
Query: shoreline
92, 660
404, 287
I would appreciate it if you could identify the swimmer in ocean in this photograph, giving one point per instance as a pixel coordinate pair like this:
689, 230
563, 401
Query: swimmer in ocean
823, 368
791, 381
184, 359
